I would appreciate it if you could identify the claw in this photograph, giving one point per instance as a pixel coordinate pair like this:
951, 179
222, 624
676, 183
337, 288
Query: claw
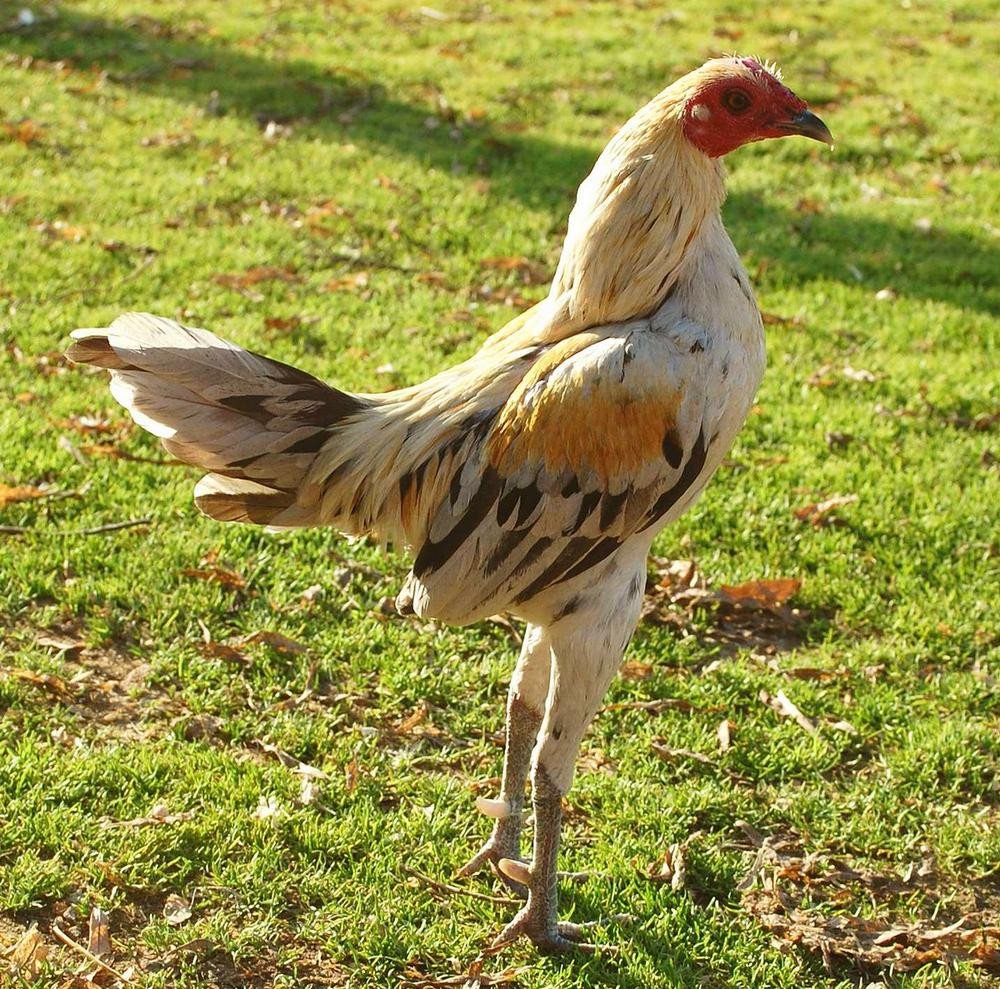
492, 854
515, 870
549, 938
497, 809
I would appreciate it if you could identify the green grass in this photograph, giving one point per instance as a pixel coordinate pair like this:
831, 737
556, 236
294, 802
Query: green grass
423, 145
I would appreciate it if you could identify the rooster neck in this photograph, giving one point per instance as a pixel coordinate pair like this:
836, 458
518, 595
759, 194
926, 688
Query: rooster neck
638, 221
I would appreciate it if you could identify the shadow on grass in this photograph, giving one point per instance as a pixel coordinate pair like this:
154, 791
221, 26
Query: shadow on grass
338, 105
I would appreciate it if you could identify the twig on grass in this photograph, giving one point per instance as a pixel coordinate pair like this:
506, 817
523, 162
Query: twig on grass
453, 889
90, 956
20, 530
111, 527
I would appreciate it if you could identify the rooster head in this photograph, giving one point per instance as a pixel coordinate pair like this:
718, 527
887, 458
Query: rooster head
734, 101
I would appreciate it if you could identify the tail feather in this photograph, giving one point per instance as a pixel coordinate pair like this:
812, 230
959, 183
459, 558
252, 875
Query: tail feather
255, 423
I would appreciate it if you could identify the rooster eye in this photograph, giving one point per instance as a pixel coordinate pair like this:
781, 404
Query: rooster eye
736, 101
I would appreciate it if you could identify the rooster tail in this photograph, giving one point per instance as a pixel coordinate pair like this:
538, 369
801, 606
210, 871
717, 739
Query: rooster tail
255, 424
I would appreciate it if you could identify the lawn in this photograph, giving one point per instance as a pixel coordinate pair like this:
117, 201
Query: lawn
229, 743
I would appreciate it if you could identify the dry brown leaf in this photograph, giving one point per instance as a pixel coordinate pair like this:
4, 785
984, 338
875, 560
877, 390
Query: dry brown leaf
59, 230
673, 755
860, 374
351, 775
216, 575
26, 492
659, 705
28, 955
289, 761
25, 132
349, 283
99, 936
772, 319
787, 709
411, 721
48, 682
815, 673
283, 324
160, 814
256, 275
765, 593
824, 512
529, 272
723, 734
219, 650
176, 910
61, 643
634, 669
872, 943
277, 641
821, 377
671, 868
91, 425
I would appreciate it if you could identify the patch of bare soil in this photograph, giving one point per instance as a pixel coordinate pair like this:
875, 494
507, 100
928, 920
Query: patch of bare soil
864, 920
759, 615
107, 688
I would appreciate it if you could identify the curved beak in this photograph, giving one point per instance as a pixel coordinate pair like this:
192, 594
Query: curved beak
806, 123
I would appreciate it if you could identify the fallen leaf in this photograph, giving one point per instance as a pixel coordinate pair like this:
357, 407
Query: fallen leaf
815, 673
289, 761
59, 230
219, 650
256, 275
160, 814
9, 495
672, 867
658, 706
25, 132
176, 910
824, 512
268, 809
860, 374
722, 733
277, 641
48, 682
787, 709
28, 954
673, 755
765, 593
822, 377
99, 937
633, 669
349, 283
529, 272
308, 792
61, 643
216, 575
283, 323
771, 319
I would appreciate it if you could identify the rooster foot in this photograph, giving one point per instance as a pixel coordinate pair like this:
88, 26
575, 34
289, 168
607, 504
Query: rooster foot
495, 850
551, 937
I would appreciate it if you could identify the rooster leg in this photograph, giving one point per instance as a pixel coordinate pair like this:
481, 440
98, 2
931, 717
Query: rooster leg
525, 704
584, 661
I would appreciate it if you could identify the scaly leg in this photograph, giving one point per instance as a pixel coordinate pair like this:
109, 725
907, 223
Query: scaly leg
525, 704
585, 657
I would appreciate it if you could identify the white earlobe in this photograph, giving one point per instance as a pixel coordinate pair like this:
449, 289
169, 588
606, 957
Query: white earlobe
701, 112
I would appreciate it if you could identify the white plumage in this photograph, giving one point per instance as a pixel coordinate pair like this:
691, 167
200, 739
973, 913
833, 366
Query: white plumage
533, 477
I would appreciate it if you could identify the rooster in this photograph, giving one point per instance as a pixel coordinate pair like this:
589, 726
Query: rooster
533, 477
